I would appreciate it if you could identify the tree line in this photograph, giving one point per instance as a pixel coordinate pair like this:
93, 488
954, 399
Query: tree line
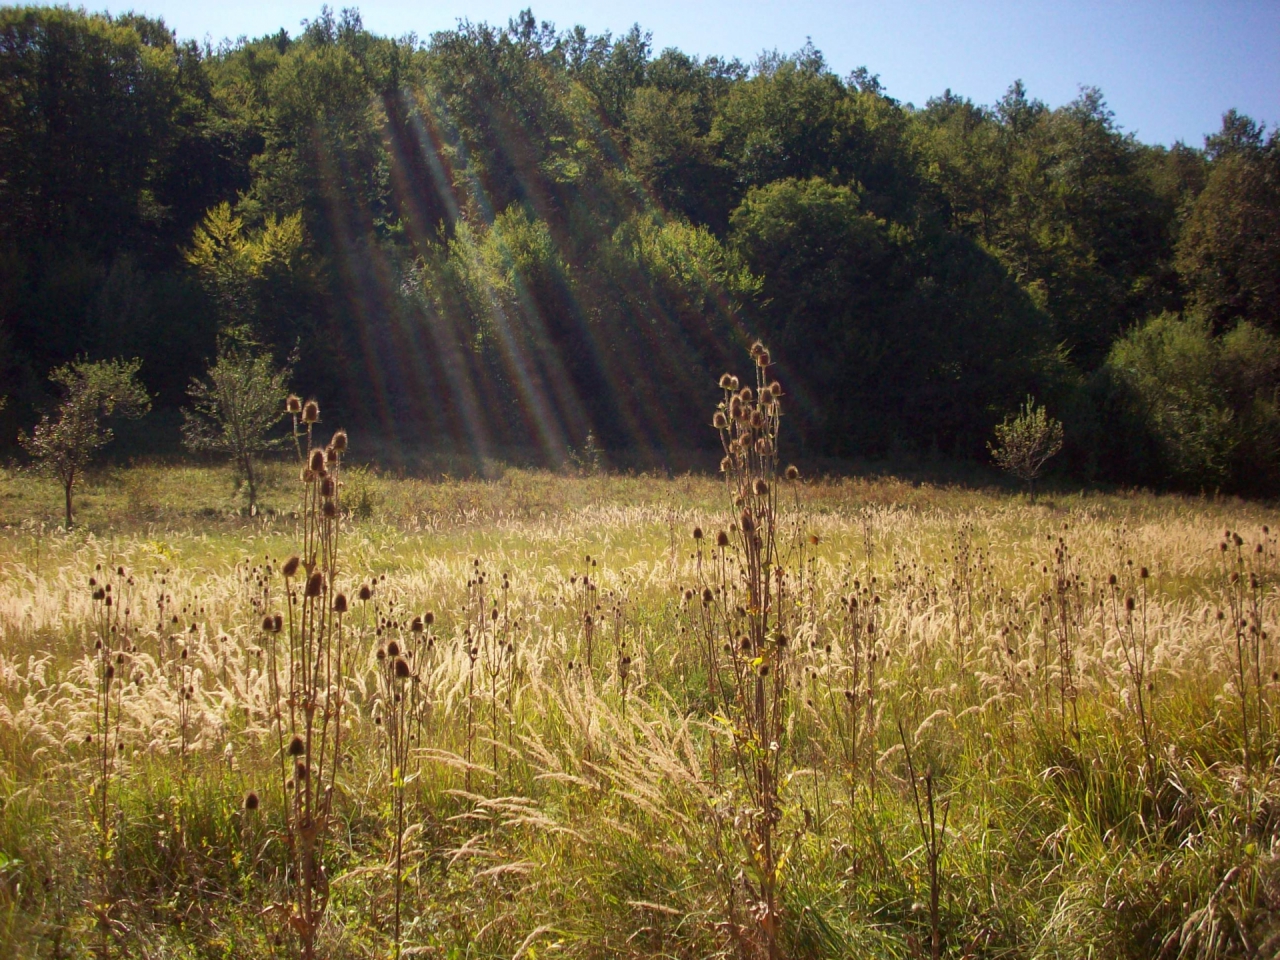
519, 236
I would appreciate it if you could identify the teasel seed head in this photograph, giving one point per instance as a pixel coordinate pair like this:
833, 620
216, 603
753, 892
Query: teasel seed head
316, 461
720, 421
762, 358
401, 669
315, 584
267, 624
300, 771
697, 533
393, 649
722, 539
793, 473
296, 747
251, 801
1143, 573
757, 420
416, 626
725, 464
340, 603
761, 488
310, 412
339, 441
775, 388
293, 405
748, 523
330, 455
429, 618
366, 592
291, 566
728, 382
746, 395
1129, 604
327, 487
757, 348
330, 509
277, 623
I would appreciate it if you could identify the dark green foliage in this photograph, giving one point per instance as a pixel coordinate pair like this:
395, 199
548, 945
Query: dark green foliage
1199, 410
517, 236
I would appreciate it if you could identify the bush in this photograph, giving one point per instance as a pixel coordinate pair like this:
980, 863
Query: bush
1206, 404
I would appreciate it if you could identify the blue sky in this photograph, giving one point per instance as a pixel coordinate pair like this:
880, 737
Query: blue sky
1168, 69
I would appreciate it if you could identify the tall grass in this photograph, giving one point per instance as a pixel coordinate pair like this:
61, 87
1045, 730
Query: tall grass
994, 736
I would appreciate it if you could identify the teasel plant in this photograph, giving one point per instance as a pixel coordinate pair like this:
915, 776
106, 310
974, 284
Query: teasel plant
309, 694
745, 624
397, 687
1135, 646
1245, 575
112, 652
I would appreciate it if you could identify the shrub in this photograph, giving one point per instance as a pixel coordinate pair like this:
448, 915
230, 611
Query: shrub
93, 391
1026, 441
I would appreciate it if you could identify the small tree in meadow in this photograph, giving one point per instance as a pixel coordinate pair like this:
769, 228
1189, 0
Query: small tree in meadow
235, 409
1025, 442
64, 445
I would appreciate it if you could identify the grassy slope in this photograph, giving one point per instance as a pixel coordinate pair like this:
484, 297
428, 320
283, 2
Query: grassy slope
600, 830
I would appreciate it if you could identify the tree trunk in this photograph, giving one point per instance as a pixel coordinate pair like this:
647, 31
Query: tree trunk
253, 487
66, 489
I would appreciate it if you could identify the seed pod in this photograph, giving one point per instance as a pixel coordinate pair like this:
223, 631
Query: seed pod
722, 539
251, 801
291, 566
401, 669
267, 623
393, 649
310, 412
327, 487
366, 592
296, 747
330, 509
316, 461
727, 382
277, 623
697, 533
429, 618
720, 421
340, 603
793, 473
315, 584
339, 441
293, 405
761, 488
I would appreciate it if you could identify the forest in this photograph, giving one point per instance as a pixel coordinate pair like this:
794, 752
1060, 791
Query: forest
522, 242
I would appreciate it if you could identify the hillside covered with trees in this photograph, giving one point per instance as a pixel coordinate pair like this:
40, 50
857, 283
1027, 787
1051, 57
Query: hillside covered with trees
516, 238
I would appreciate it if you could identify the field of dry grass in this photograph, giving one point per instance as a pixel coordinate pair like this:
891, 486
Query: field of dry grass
1003, 728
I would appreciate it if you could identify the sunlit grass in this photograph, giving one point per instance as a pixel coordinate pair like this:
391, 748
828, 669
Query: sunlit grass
593, 834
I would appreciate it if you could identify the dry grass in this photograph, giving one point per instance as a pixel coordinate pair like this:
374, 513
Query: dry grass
551, 808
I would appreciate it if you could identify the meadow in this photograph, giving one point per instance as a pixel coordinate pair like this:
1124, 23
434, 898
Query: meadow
606, 715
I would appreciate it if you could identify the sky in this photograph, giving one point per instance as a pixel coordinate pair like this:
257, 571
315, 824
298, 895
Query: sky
1168, 70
